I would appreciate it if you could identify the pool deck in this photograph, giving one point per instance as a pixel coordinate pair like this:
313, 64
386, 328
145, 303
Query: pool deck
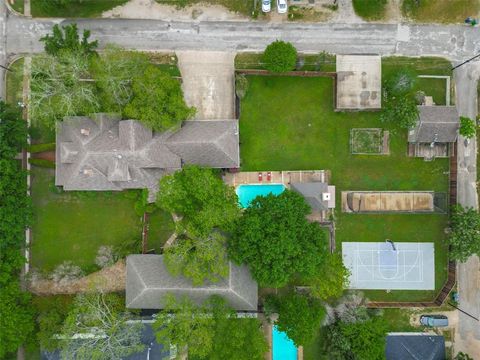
282, 177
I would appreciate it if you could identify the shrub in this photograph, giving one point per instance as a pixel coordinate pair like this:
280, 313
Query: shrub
468, 128
36, 148
66, 272
105, 257
241, 85
42, 163
400, 83
401, 110
280, 57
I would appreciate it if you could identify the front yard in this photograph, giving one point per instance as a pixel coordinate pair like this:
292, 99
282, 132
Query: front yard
289, 123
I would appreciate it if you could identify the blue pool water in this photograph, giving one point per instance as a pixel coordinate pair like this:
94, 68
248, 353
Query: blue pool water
246, 193
283, 347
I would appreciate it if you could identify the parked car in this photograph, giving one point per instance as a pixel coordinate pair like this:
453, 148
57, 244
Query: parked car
282, 6
434, 320
266, 6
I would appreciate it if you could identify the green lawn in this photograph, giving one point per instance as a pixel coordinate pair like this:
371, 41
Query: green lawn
76, 9
15, 82
72, 226
288, 123
160, 228
18, 6
244, 7
440, 11
309, 62
370, 9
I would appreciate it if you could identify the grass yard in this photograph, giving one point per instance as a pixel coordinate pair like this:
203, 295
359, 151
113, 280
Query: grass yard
160, 228
74, 9
245, 7
440, 11
288, 123
370, 9
72, 226
306, 62
15, 82
18, 6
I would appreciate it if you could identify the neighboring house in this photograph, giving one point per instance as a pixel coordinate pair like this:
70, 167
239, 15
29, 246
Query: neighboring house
414, 346
319, 195
148, 281
359, 84
106, 153
435, 132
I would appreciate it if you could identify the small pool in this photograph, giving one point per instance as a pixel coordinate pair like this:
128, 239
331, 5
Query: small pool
246, 193
283, 347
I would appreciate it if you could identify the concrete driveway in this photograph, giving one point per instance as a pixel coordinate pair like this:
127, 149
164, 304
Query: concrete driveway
207, 82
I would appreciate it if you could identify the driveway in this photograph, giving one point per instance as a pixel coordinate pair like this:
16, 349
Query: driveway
207, 82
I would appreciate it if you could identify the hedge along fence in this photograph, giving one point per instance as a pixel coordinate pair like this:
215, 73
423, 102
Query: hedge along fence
42, 163
36, 148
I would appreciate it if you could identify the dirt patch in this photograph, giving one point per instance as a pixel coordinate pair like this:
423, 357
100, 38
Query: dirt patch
150, 9
45, 155
109, 279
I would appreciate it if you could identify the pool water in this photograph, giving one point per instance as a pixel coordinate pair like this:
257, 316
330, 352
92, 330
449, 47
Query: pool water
283, 347
246, 193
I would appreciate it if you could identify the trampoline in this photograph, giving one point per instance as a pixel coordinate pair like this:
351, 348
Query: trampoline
390, 266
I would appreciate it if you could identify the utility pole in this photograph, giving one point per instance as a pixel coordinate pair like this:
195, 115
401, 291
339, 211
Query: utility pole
466, 61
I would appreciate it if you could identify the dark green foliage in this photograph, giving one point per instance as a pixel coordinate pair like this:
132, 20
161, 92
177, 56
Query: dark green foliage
401, 83
36, 148
401, 110
468, 127
358, 341
299, 316
331, 279
465, 232
67, 39
201, 197
42, 163
462, 356
276, 241
142, 205
50, 322
157, 100
212, 331
370, 9
280, 57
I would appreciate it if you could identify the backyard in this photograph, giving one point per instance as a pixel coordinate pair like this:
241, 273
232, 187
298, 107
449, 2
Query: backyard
288, 123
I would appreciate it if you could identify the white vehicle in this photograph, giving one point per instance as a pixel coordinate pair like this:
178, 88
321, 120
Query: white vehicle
282, 6
266, 6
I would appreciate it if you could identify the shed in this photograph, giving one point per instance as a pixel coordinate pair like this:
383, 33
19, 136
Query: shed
413, 346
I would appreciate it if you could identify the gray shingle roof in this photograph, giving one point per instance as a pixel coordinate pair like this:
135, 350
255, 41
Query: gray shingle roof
436, 123
312, 192
148, 281
105, 153
415, 346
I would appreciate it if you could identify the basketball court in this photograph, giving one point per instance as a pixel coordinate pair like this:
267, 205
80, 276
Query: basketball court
390, 266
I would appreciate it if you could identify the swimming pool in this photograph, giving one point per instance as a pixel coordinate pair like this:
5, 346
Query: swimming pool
283, 347
246, 193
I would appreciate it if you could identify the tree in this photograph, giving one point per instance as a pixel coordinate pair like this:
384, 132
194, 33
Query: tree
462, 356
97, 328
280, 57
157, 100
299, 316
274, 238
50, 321
465, 232
331, 278
113, 71
401, 110
198, 259
60, 87
13, 131
212, 331
67, 39
16, 317
468, 128
201, 198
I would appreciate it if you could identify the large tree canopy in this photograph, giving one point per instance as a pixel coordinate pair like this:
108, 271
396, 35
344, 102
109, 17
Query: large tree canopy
274, 238
198, 259
280, 56
465, 232
299, 316
103, 322
212, 331
157, 100
67, 39
331, 279
201, 197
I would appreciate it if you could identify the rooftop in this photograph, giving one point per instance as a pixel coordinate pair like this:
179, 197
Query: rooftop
406, 346
435, 124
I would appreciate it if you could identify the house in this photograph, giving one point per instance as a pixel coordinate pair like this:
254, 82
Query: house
106, 153
435, 132
359, 82
148, 281
406, 346
319, 195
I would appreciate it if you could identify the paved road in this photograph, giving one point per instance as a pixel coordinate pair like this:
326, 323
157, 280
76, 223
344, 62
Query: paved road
454, 42
466, 78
